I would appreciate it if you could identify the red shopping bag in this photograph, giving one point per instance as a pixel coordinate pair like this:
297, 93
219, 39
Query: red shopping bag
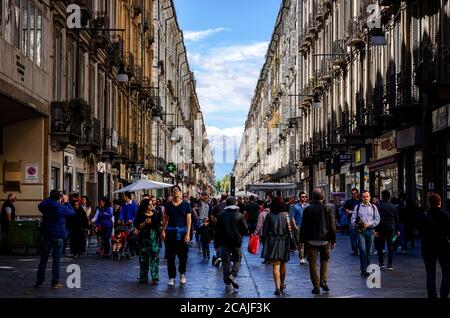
253, 244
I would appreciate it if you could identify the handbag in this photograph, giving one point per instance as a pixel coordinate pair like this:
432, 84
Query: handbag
292, 241
253, 244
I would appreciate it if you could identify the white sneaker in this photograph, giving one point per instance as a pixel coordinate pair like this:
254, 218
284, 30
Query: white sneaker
303, 261
171, 282
228, 287
183, 279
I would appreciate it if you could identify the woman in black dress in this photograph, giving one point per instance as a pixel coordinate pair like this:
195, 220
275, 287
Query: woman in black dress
78, 225
275, 235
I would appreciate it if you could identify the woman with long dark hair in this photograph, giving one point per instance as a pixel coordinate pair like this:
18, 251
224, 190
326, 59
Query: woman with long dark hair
275, 235
147, 226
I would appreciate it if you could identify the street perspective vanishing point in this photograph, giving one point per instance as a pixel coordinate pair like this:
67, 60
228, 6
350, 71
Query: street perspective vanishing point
228, 155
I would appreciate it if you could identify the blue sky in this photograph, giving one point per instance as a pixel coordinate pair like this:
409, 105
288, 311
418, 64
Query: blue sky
226, 41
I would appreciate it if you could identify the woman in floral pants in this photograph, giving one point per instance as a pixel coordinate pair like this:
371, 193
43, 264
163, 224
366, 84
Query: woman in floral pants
147, 227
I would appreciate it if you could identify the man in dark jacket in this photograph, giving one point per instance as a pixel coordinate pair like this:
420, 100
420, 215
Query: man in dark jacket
54, 211
216, 210
435, 230
230, 229
7, 215
252, 209
318, 232
386, 229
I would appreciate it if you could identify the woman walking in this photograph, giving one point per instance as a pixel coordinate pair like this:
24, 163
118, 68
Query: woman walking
275, 235
78, 225
147, 226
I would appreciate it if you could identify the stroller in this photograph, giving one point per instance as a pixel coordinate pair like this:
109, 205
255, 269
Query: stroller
120, 243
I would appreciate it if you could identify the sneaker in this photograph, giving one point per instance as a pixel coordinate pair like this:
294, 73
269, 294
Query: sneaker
277, 292
183, 279
316, 291
382, 267
325, 288
217, 262
355, 253
389, 268
303, 261
233, 281
365, 274
228, 287
57, 286
37, 285
171, 282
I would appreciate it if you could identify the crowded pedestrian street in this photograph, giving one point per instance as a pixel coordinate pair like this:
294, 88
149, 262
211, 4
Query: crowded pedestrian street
118, 279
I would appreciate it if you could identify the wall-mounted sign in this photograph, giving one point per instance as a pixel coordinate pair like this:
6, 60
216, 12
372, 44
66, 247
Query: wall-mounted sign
31, 173
385, 146
441, 118
123, 171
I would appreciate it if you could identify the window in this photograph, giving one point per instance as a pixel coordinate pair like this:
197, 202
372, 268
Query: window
38, 59
8, 17
70, 73
81, 76
24, 46
58, 78
54, 179
32, 33
92, 87
80, 184
101, 97
16, 23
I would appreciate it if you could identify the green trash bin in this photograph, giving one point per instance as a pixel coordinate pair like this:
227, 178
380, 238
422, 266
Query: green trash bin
24, 234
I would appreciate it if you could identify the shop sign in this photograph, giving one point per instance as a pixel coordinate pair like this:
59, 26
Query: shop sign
441, 118
345, 158
123, 171
385, 146
412, 136
68, 162
101, 167
357, 156
31, 173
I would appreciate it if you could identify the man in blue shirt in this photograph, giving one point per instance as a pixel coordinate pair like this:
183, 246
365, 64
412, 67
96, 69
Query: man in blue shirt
296, 215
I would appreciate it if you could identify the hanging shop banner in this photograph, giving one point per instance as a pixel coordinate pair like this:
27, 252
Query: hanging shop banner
441, 118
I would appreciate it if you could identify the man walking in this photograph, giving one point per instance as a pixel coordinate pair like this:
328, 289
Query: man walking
127, 215
230, 229
205, 207
54, 211
349, 207
386, 229
216, 211
365, 218
252, 209
7, 216
318, 232
296, 215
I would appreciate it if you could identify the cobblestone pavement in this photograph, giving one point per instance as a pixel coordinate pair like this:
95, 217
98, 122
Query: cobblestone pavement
113, 279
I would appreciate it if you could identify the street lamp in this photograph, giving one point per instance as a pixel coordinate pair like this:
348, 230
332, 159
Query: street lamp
122, 75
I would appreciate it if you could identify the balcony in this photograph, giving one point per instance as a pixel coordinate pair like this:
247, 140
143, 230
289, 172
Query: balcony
365, 119
407, 108
65, 125
100, 38
123, 149
129, 62
350, 131
133, 153
156, 164
312, 28
434, 69
110, 143
326, 70
86, 7
305, 153
339, 52
355, 32
91, 138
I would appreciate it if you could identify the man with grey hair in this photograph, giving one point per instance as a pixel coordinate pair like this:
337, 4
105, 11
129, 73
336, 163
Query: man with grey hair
318, 232
8, 215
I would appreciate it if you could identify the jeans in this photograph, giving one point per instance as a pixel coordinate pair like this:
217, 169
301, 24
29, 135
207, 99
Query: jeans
46, 247
430, 267
106, 238
365, 242
353, 237
313, 252
301, 250
385, 235
228, 255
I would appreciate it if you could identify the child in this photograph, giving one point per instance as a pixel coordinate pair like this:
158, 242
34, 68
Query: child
206, 236
119, 239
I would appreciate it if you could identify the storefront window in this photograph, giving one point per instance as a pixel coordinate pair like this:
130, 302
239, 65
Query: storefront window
387, 179
418, 168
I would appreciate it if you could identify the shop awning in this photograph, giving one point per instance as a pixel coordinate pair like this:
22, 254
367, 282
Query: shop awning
381, 163
271, 186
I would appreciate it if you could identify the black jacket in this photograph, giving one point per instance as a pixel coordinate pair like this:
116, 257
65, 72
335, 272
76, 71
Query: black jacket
435, 230
230, 227
318, 223
388, 215
3, 216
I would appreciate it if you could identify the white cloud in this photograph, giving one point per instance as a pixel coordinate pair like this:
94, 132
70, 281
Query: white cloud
196, 36
227, 77
229, 132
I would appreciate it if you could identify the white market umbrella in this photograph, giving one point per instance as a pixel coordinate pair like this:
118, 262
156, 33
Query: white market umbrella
144, 185
245, 194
